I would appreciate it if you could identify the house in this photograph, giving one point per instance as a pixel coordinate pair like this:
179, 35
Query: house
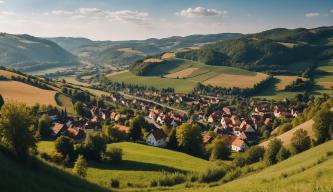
227, 110
225, 122
75, 132
53, 114
105, 114
157, 138
235, 120
238, 145
122, 128
207, 138
58, 129
215, 116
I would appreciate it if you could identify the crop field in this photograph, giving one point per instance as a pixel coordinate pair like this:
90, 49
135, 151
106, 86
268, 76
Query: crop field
140, 164
241, 81
189, 73
9, 74
65, 102
168, 55
181, 74
30, 95
284, 81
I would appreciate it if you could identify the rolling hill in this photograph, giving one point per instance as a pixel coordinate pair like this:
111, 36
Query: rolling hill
28, 53
278, 50
127, 52
184, 75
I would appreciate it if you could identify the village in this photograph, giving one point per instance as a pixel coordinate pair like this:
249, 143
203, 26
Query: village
238, 129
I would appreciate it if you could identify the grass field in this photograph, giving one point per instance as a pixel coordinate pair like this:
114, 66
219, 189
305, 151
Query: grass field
140, 164
30, 95
189, 73
300, 173
324, 77
284, 81
241, 81
65, 102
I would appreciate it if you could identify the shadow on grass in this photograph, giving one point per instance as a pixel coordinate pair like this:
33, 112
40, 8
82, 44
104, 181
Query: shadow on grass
35, 175
270, 89
128, 165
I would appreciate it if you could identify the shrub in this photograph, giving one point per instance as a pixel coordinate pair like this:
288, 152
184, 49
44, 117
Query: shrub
254, 154
282, 154
271, 152
80, 167
212, 175
171, 179
220, 150
239, 161
56, 158
115, 183
300, 141
65, 146
115, 154
153, 183
231, 175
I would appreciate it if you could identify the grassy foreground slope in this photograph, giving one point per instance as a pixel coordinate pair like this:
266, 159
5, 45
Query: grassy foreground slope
141, 164
311, 170
39, 177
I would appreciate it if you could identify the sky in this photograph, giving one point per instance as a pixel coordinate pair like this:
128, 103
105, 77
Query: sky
142, 19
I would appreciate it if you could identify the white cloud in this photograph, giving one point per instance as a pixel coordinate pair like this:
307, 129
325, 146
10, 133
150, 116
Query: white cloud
61, 12
131, 16
7, 13
312, 14
200, 12
2, 2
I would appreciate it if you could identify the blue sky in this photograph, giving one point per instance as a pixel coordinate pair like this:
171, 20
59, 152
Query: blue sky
141, 19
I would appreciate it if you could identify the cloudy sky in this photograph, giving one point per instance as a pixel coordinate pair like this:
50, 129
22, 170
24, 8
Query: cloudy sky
141, 19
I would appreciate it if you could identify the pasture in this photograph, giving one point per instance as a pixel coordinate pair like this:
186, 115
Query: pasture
284, 81
15, 91
9, 74
184, 75
140, 164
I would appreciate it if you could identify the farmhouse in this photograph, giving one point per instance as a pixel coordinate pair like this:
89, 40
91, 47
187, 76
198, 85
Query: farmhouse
157, 138
238, 145
58, 129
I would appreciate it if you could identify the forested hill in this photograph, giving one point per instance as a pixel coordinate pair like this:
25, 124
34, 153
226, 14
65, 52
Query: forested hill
28, 53
274, 49
127, 52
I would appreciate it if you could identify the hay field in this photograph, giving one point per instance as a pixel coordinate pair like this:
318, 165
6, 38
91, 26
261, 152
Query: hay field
130, 50
153, 60
168, 55
230, 80
9, 74
285, 80
182, 74
30, 95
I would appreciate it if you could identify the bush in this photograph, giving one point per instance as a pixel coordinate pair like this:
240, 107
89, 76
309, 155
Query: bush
65, 146
239, 161
115, 154
283, 154
212, 175
220, 150
271, 152
94, 146
80, 167
168, 179
300, 141
115, 183
254, 154
231, 175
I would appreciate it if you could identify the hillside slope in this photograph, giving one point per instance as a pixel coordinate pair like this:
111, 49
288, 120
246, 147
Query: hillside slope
309, 171
28, 53
37, 176
276, 49
127, 52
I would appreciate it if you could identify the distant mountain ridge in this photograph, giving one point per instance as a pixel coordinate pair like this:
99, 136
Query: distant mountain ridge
28, 53
274, 49
127, 52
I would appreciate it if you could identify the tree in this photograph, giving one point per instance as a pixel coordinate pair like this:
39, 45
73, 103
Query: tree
172, 140
283, 154
300, 141
136, 125
80, 166
65, 146
79, 108
16, 129
44, 124
323, 124
254, 154
113, 134
2, 101
115, 154
220, 150
94, 146
271, 152
189, 138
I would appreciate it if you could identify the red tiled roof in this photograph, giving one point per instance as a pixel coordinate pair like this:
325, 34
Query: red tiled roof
158, 134
238, 142
122, 128
58, 127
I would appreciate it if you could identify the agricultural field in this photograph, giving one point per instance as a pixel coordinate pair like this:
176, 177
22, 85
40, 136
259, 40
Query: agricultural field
184, 75
140, 164
284, 81
65, 102
9, 74
21, 92
324, 77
